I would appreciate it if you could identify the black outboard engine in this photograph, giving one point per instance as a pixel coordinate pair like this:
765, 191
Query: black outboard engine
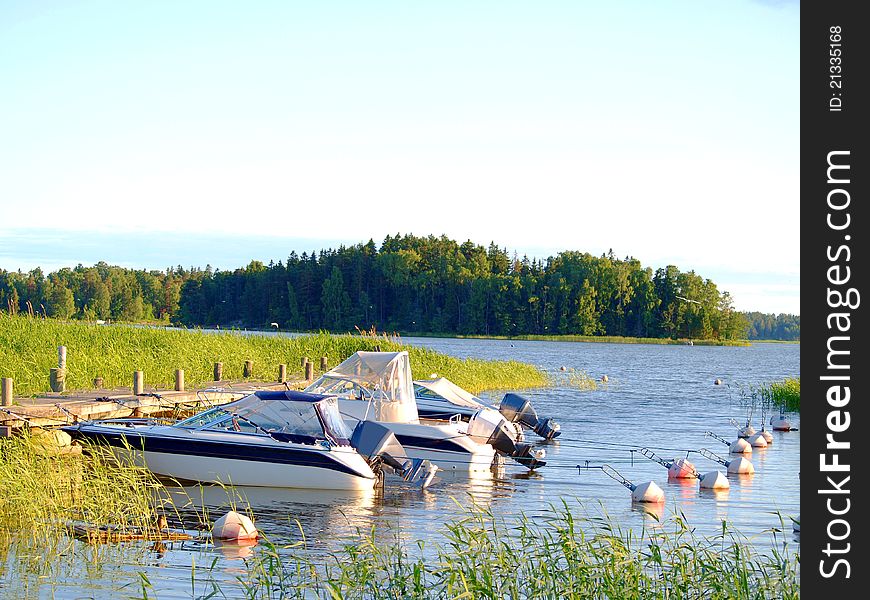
379, 444
490, 427
517, 409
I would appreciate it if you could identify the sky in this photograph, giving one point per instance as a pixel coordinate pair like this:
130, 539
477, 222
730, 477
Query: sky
150, 134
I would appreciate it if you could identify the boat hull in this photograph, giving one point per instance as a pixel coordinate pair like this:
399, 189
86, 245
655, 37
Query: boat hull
445, 444
204, 459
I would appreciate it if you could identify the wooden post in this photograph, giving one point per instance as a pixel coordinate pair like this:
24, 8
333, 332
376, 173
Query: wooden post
7, 391
323, 363
57, 380
282, 373
303, 361
98, 383
309, 371
248, 371
138, 382
179, 380
61, 357
218, 371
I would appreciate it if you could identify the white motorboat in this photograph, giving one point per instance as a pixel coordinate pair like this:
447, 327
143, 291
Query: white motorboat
441, 399
273, 439
378, 386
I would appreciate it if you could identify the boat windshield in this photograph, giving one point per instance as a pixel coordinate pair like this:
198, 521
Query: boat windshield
339, 387
299, 420
333, 422
204, 418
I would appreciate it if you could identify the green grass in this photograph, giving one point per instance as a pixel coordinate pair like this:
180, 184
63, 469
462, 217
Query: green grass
41, 490
555, 555
785, 393
28, 349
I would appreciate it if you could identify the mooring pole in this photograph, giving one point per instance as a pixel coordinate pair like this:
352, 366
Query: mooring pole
7, 391
138, 382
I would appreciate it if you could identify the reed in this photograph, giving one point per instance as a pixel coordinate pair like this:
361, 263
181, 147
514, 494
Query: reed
555, 555
43, 491
28, 349
785, 394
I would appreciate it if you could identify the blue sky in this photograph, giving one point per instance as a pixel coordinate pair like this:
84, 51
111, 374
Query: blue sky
162, 133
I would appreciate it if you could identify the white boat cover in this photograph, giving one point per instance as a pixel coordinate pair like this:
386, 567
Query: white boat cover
385, 375
450, 392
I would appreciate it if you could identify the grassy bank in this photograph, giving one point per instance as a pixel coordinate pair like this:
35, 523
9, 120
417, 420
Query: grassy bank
785, 393
555, 555
28, 349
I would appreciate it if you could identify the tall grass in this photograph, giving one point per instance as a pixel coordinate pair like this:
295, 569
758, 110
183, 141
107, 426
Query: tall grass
28, 349
42, 491
557, 556
785, 394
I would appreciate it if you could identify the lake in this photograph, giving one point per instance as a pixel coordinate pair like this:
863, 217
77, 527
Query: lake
660, 397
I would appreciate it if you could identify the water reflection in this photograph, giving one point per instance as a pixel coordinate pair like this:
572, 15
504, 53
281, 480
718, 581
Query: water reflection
653, 513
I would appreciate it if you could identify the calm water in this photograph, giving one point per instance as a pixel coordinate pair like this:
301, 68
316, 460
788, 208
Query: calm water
661, 397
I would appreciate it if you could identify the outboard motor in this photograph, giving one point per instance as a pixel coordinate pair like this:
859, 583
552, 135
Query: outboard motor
517, 409
490, 427
380, 446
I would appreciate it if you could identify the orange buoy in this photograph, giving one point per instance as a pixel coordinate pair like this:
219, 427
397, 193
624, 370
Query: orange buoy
681, 468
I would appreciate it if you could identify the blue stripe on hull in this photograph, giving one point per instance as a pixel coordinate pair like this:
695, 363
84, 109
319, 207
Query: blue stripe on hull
216, 449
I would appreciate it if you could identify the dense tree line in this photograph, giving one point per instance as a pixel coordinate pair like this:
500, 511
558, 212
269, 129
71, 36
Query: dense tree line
409, 283
101, 292
413, 284
783, 326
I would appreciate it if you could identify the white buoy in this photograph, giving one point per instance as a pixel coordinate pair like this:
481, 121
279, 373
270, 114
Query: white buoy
740, 466
717, 382
714, 480
780, 423
740, 446
746, 432
647, 492
682, 469
563, 368
234, 526
604, 378
757, 441
768, 437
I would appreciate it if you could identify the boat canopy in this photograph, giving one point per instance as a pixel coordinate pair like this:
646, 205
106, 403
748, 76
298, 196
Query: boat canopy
288, 416
383, 377
444, 388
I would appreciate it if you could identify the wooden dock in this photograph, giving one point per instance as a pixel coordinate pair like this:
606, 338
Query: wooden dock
56, 409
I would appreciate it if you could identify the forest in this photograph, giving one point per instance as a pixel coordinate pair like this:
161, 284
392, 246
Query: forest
409, 284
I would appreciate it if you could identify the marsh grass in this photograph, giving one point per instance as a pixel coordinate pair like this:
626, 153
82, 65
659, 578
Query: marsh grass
42, 492
556, 555
580, 380
785, 394
28, 350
